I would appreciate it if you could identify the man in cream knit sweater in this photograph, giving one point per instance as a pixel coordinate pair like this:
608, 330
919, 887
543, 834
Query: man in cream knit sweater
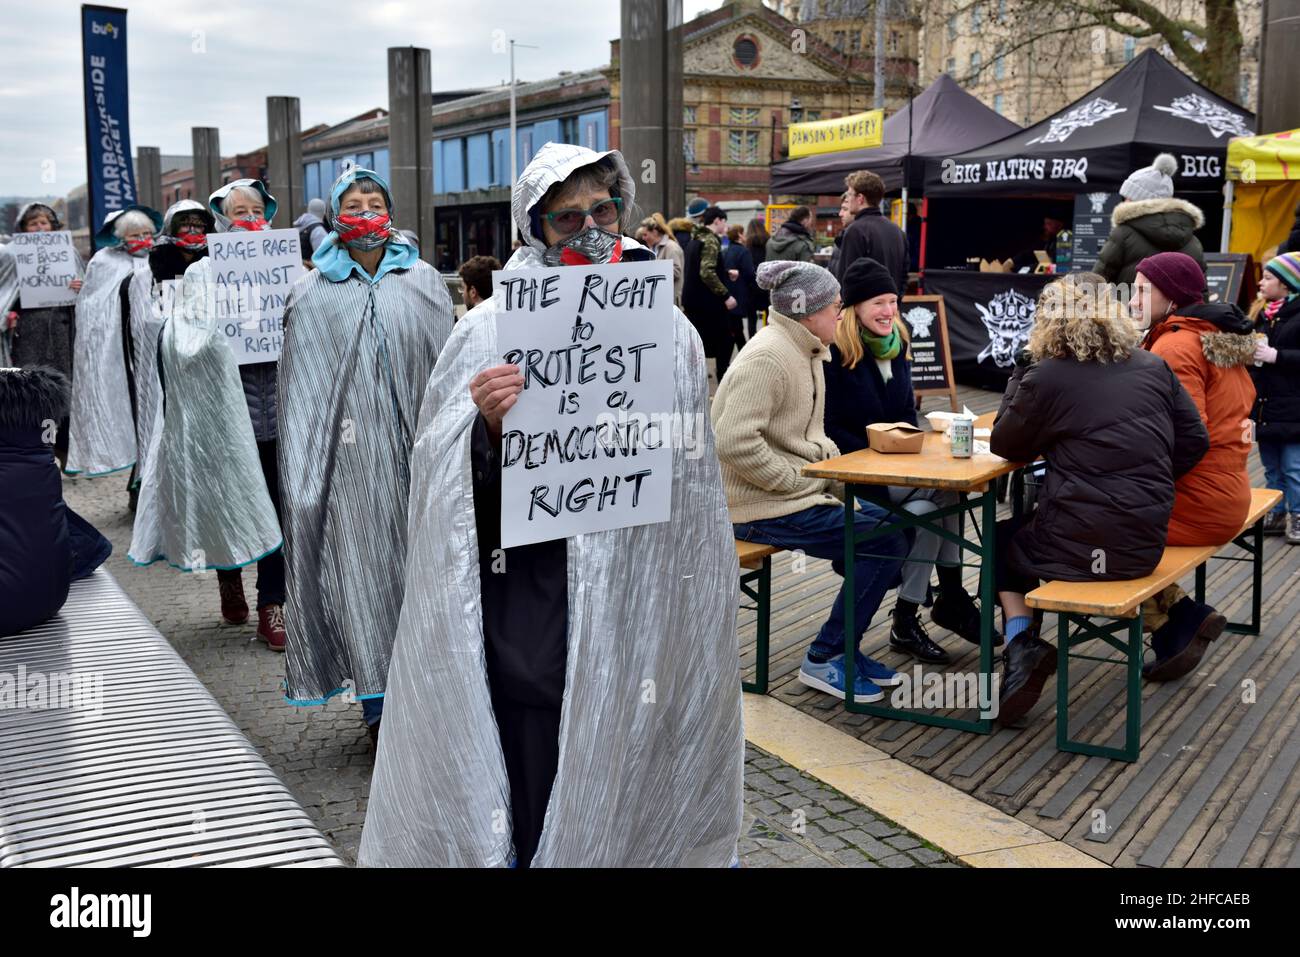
768, 421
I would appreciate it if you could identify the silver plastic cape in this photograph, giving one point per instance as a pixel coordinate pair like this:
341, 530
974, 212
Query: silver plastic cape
355, 362
203, 497
643, 779
101, 435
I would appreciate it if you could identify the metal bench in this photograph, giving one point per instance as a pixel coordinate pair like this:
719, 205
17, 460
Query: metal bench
147, 770
756, 583
1118, 604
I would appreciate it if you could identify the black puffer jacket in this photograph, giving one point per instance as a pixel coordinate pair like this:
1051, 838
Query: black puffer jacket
1144, 227
1277, 384
1115, 436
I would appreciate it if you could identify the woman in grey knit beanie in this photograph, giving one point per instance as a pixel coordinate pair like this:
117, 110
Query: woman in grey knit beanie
798, 289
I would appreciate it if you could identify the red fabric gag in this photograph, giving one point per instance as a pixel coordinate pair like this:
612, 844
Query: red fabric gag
251, 225
571, 257
135, 245
191, 240
358, 226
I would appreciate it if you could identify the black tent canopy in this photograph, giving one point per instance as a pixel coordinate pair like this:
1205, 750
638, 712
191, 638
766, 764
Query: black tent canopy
944, 119
1148, 107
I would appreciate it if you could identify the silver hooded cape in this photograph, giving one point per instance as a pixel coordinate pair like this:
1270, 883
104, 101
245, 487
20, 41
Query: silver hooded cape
101, 432
203, 497
644, 778
355, 362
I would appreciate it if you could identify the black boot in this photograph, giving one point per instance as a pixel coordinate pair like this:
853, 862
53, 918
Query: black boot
958, 613
908, 635
1027, 663
1182, 641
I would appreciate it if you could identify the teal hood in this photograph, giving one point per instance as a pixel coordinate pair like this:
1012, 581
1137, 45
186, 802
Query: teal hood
106, 237
334, 261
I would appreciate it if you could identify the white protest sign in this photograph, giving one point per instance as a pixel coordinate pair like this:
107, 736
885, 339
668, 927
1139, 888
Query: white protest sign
46, 264
584, 449
252, 273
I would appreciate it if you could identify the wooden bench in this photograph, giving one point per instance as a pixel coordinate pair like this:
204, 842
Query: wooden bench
1118, 604
756, 583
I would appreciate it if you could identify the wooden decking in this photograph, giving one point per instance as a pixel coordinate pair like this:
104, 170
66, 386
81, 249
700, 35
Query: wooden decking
1218, 782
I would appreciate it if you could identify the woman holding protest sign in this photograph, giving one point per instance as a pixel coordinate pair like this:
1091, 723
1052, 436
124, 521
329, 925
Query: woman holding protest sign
148, 297
41, 336
522, 675
102, 434
363, 331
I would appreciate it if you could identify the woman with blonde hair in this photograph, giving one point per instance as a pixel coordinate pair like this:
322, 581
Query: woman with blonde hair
656, 235
1117, 429
869, 380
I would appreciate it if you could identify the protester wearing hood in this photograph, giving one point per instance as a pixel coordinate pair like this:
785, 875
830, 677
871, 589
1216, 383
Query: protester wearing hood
1277, 380
516, 672
1117, 429
239, 206
39, 337
705, 298
869, 380
870, 233
1149, 221
102, 433
792, 241
1210, 347
147, 299
363, 331
44, 545
311, 228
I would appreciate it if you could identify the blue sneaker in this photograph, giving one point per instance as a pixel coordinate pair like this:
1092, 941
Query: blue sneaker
828, 676
877, 673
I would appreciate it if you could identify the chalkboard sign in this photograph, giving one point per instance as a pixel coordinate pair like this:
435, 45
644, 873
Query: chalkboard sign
1091, 228
927, 326
1225, 274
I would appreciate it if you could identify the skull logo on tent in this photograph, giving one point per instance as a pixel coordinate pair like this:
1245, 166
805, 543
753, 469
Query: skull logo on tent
1008, 317
919, 319
1197, 109
1082, 116
1098, 201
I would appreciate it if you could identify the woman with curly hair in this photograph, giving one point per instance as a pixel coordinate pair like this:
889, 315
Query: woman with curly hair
1117, 429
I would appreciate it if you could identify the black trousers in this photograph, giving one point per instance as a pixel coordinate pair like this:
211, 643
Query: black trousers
270, 570
1007, 574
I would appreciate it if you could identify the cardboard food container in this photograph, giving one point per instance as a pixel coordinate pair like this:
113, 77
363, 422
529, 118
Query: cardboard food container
895, 437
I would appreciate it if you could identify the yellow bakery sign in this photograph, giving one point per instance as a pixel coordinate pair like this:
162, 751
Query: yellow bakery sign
856, 132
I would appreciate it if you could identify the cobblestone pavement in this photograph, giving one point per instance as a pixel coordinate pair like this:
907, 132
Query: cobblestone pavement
324, 756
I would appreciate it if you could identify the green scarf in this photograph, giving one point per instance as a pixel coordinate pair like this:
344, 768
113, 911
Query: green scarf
887, 348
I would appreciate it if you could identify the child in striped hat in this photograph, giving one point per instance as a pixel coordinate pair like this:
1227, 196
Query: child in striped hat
1277, 384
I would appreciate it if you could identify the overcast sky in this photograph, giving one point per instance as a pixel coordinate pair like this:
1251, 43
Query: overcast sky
329, 53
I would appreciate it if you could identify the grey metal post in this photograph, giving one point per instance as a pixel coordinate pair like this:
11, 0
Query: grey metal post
207, 161
650, 103
410, 143
284, 158
148, 176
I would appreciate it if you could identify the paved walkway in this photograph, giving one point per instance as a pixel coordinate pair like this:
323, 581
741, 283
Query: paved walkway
324, 755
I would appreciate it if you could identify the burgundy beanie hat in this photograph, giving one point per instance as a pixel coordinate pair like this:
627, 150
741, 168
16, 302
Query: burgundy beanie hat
1177, 275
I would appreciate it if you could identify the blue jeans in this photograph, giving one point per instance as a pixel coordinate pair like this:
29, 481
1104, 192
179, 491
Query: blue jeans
819, 531
1282, 471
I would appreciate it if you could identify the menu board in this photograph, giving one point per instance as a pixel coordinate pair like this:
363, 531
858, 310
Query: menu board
1091, 228
927, 326
1224, 273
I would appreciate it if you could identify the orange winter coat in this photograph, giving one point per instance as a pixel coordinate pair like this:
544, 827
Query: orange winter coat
1209, 347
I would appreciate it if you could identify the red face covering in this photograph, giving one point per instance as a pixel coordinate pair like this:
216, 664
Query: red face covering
134, 246
571, 257
192, 240
353, 227
248, 225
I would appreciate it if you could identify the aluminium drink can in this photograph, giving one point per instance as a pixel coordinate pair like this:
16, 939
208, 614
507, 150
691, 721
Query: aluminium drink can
962, 436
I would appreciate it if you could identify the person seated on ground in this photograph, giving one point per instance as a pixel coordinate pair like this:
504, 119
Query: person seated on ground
1277, 380
769, 419
476, 275
44, 545
1209, 346
1117, 429
869, 380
